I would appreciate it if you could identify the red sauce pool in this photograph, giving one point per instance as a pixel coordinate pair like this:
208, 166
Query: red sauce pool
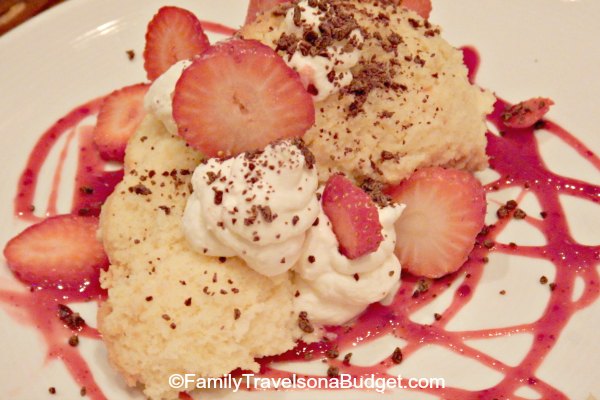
515, 156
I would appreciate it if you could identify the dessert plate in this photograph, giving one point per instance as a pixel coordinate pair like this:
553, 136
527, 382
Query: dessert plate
78, 51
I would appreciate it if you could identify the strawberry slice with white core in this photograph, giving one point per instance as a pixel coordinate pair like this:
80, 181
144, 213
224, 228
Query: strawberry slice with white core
240, 96
526, 113
256, 7
173, 34
120, 115
354, 217
59, 251
421, 7
445, 210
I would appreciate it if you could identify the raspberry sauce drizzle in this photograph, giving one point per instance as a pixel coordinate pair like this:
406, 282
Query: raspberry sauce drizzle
29, 177
514, 156
39, 306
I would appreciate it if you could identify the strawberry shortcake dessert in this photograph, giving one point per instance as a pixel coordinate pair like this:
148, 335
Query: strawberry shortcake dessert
280, 182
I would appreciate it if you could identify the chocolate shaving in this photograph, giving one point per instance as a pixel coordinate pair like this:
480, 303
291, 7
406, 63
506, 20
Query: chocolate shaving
166, 209
218, 199
347, 358
304, 324
251, 219
211, 177
374, 189
71, 319
397, 356
287, 44
333, 372
74, 341
297, 16
267, 213
309, 157
140, 189
372, 76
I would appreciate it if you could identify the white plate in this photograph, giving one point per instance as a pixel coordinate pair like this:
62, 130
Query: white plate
76, 52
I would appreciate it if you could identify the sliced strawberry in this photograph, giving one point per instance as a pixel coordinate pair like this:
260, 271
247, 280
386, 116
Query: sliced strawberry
256, 7
445, 210
60, 251
353, 215
526, 113
240, 96
173, 34
118, 119
421, 7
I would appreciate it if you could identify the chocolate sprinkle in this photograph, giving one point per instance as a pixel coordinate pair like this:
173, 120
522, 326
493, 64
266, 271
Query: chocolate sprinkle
332, 353
140, 190
74, 341
397, 356
375, 189
71, 319
333, 372
304, 324
347, 358
166, 209
218, 196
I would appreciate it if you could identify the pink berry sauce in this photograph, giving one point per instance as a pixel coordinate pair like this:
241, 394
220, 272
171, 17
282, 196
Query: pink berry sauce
514, 155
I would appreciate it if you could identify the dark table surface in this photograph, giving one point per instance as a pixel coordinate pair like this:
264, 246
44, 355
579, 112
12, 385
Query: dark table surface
15, 12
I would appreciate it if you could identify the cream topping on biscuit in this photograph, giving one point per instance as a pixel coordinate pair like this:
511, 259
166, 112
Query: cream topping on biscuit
321, 48
256, 206
159, 99
333, 289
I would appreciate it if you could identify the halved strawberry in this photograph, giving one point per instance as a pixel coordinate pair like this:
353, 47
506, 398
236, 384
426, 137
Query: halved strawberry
421, 7
526, 113
240, 96
353, 215
445, 210
61, 250
119, 117
173, 34
257, 6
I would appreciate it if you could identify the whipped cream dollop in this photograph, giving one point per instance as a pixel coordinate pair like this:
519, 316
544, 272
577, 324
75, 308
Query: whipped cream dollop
159, 99
257, 206
333, 289
322, 47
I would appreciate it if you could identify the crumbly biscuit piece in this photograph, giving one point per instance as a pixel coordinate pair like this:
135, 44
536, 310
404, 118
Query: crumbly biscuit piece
170, 309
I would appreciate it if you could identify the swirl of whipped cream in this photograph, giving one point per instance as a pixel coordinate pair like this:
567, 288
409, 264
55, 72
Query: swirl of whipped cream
159, 99
257, 206
328, 71
333, 289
